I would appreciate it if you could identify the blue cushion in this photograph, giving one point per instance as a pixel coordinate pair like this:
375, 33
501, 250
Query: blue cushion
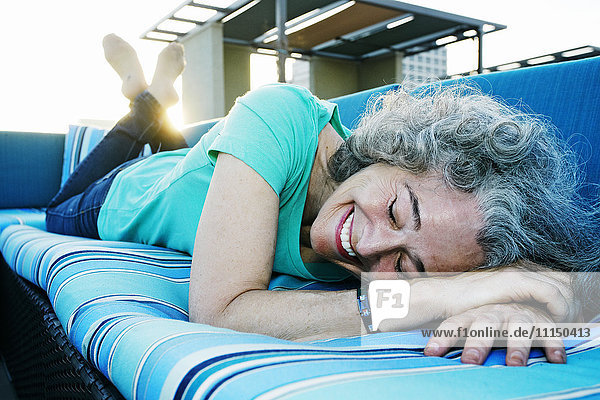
193, 132
22, 216
30, 165
352, 106
568, 94
124, 306
79, 142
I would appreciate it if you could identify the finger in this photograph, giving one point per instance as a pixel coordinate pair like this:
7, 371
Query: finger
555, 351
438, 346
554, 348
548, 293
481, 340
562, 281
519, 347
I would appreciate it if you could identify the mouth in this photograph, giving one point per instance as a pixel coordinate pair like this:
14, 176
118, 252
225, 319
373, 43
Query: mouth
343, 236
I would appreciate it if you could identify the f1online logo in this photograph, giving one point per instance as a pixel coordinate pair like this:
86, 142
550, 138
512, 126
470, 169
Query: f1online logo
389, 299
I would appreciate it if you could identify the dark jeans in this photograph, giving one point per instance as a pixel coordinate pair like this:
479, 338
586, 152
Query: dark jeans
75, 208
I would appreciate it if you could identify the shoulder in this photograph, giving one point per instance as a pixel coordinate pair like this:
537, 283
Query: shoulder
283, 97
280, 90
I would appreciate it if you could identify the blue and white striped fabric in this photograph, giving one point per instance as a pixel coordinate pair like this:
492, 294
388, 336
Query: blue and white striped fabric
124, 306
22, 216
80, 140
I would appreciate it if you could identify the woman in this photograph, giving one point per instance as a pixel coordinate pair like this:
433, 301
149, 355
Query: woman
438, 182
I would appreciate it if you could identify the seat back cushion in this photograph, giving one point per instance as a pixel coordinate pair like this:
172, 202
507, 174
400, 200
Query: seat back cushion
30, 165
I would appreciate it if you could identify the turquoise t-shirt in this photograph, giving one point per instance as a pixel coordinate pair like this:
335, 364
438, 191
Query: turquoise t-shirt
274, 130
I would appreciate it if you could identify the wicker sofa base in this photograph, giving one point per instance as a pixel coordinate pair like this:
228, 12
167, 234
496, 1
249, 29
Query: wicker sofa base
42, 362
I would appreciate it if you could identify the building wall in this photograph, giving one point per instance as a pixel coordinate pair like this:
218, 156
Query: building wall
237, 72
301, 73
425, 66
379, 71
332, 78
203, 77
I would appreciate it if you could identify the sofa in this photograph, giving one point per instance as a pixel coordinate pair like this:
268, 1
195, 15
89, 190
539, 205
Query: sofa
83, 318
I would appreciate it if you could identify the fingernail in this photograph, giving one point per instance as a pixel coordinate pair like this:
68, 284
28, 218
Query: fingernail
560, 355
517, 358
471, 356
432, 348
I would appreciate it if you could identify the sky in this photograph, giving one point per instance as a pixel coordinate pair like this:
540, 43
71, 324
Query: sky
53, 71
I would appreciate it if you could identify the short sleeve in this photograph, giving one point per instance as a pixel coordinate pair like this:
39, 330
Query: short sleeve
271, 130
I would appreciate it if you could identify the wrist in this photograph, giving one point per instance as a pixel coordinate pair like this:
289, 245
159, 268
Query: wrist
424, 305
364, 310
429, 300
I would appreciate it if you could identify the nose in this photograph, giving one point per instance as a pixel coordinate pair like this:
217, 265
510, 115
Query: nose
376, 241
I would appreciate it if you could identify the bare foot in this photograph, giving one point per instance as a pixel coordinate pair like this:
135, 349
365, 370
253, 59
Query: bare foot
123, 58
170, 65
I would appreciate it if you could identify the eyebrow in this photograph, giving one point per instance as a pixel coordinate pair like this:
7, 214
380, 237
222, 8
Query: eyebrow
414, 201
416, 216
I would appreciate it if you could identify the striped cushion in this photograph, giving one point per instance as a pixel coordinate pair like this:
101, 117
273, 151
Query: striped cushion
124, 306
79, 142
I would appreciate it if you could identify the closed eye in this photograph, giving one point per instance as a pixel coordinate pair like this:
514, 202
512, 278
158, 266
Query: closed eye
391, 211
398, 266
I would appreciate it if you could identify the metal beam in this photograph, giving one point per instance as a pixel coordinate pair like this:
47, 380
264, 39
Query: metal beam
156, 39
423, 40
170, 32
334, 55
550, 58
191, 21
282, 42
297, 21
209, 7
480, 50
411, 8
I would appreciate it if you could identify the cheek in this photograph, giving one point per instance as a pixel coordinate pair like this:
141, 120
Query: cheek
317, 239
458, 256
321, 239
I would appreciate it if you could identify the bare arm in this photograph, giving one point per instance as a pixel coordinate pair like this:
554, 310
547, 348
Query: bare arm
233, 260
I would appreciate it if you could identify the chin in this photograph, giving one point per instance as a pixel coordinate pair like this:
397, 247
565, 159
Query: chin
353, 269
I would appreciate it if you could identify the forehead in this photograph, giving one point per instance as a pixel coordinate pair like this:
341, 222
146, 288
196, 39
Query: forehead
450, 223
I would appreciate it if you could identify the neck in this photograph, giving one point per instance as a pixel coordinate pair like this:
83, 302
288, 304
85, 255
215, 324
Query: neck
321, 186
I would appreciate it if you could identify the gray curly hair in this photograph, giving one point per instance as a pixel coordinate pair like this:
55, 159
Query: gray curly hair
524, 177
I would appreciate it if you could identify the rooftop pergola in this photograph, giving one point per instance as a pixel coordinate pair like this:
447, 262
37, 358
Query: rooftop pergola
349, 30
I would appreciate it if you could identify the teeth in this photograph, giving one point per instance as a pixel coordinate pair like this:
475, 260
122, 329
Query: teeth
345, 235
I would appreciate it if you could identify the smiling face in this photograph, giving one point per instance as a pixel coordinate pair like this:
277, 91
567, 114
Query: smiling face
384, 219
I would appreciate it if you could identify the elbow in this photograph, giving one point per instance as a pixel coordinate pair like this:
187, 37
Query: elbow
206, 317
199, 317
217, 311
229, 313
208, 308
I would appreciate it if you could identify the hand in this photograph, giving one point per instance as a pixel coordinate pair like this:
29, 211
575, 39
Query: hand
496, 316
440, 297
513, 284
